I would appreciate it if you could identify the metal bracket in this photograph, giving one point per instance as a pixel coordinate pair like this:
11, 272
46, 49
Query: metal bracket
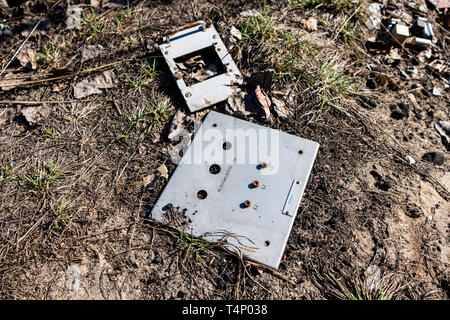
190, 39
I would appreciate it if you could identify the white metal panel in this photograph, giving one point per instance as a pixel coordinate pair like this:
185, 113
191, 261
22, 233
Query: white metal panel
260, 231
210, 91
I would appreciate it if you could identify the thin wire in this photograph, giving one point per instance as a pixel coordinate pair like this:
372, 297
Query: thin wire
29, 35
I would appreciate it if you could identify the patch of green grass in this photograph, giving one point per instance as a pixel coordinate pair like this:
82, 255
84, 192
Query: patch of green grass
257, 29
359, 291
190, 245
60, 219
91, 24
48, 133
146, 73
348, 35
294, 59
147, 116
371, 286
41, 178
120, 18
333, 84
330, 5
47, 58
129, 41
5, 173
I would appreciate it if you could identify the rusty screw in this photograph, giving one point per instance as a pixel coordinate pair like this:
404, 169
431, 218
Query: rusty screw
247, 203
263, 165
255, 184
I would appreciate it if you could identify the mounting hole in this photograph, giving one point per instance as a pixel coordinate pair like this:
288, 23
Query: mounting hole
202, 194
226, 145
214, 169
300, 151
267, 243
214, 125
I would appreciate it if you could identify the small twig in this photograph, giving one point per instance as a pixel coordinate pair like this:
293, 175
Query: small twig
34, 225
72, 74
46, 101
116, 105
346, 21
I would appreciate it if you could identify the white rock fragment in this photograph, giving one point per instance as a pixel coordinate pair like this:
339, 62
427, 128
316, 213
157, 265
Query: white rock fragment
249, 13
437, 91
73, 20
235, 33
176, 127
410, 159
373, 277
374, 16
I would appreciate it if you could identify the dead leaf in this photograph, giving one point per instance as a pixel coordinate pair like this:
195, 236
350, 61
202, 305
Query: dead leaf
91, 52
73, 20
35, 115
163, 170
309, 24
205, 73
280, 108
148, 180
439, 66
235, 33
27, 58
394, 55
177, 125
107, 79
7, 115
243, 104
263, 100
8, 81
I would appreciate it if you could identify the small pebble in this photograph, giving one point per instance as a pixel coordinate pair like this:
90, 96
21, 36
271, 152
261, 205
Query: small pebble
436, 158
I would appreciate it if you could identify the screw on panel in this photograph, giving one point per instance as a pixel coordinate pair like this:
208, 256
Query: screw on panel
188, 94
263, 165
247, 203
255, 184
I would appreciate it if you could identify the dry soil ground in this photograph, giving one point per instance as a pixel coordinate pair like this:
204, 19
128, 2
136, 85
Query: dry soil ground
73, 193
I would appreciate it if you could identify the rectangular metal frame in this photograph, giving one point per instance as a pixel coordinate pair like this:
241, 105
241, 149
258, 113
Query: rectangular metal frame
192, 38
259, 231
